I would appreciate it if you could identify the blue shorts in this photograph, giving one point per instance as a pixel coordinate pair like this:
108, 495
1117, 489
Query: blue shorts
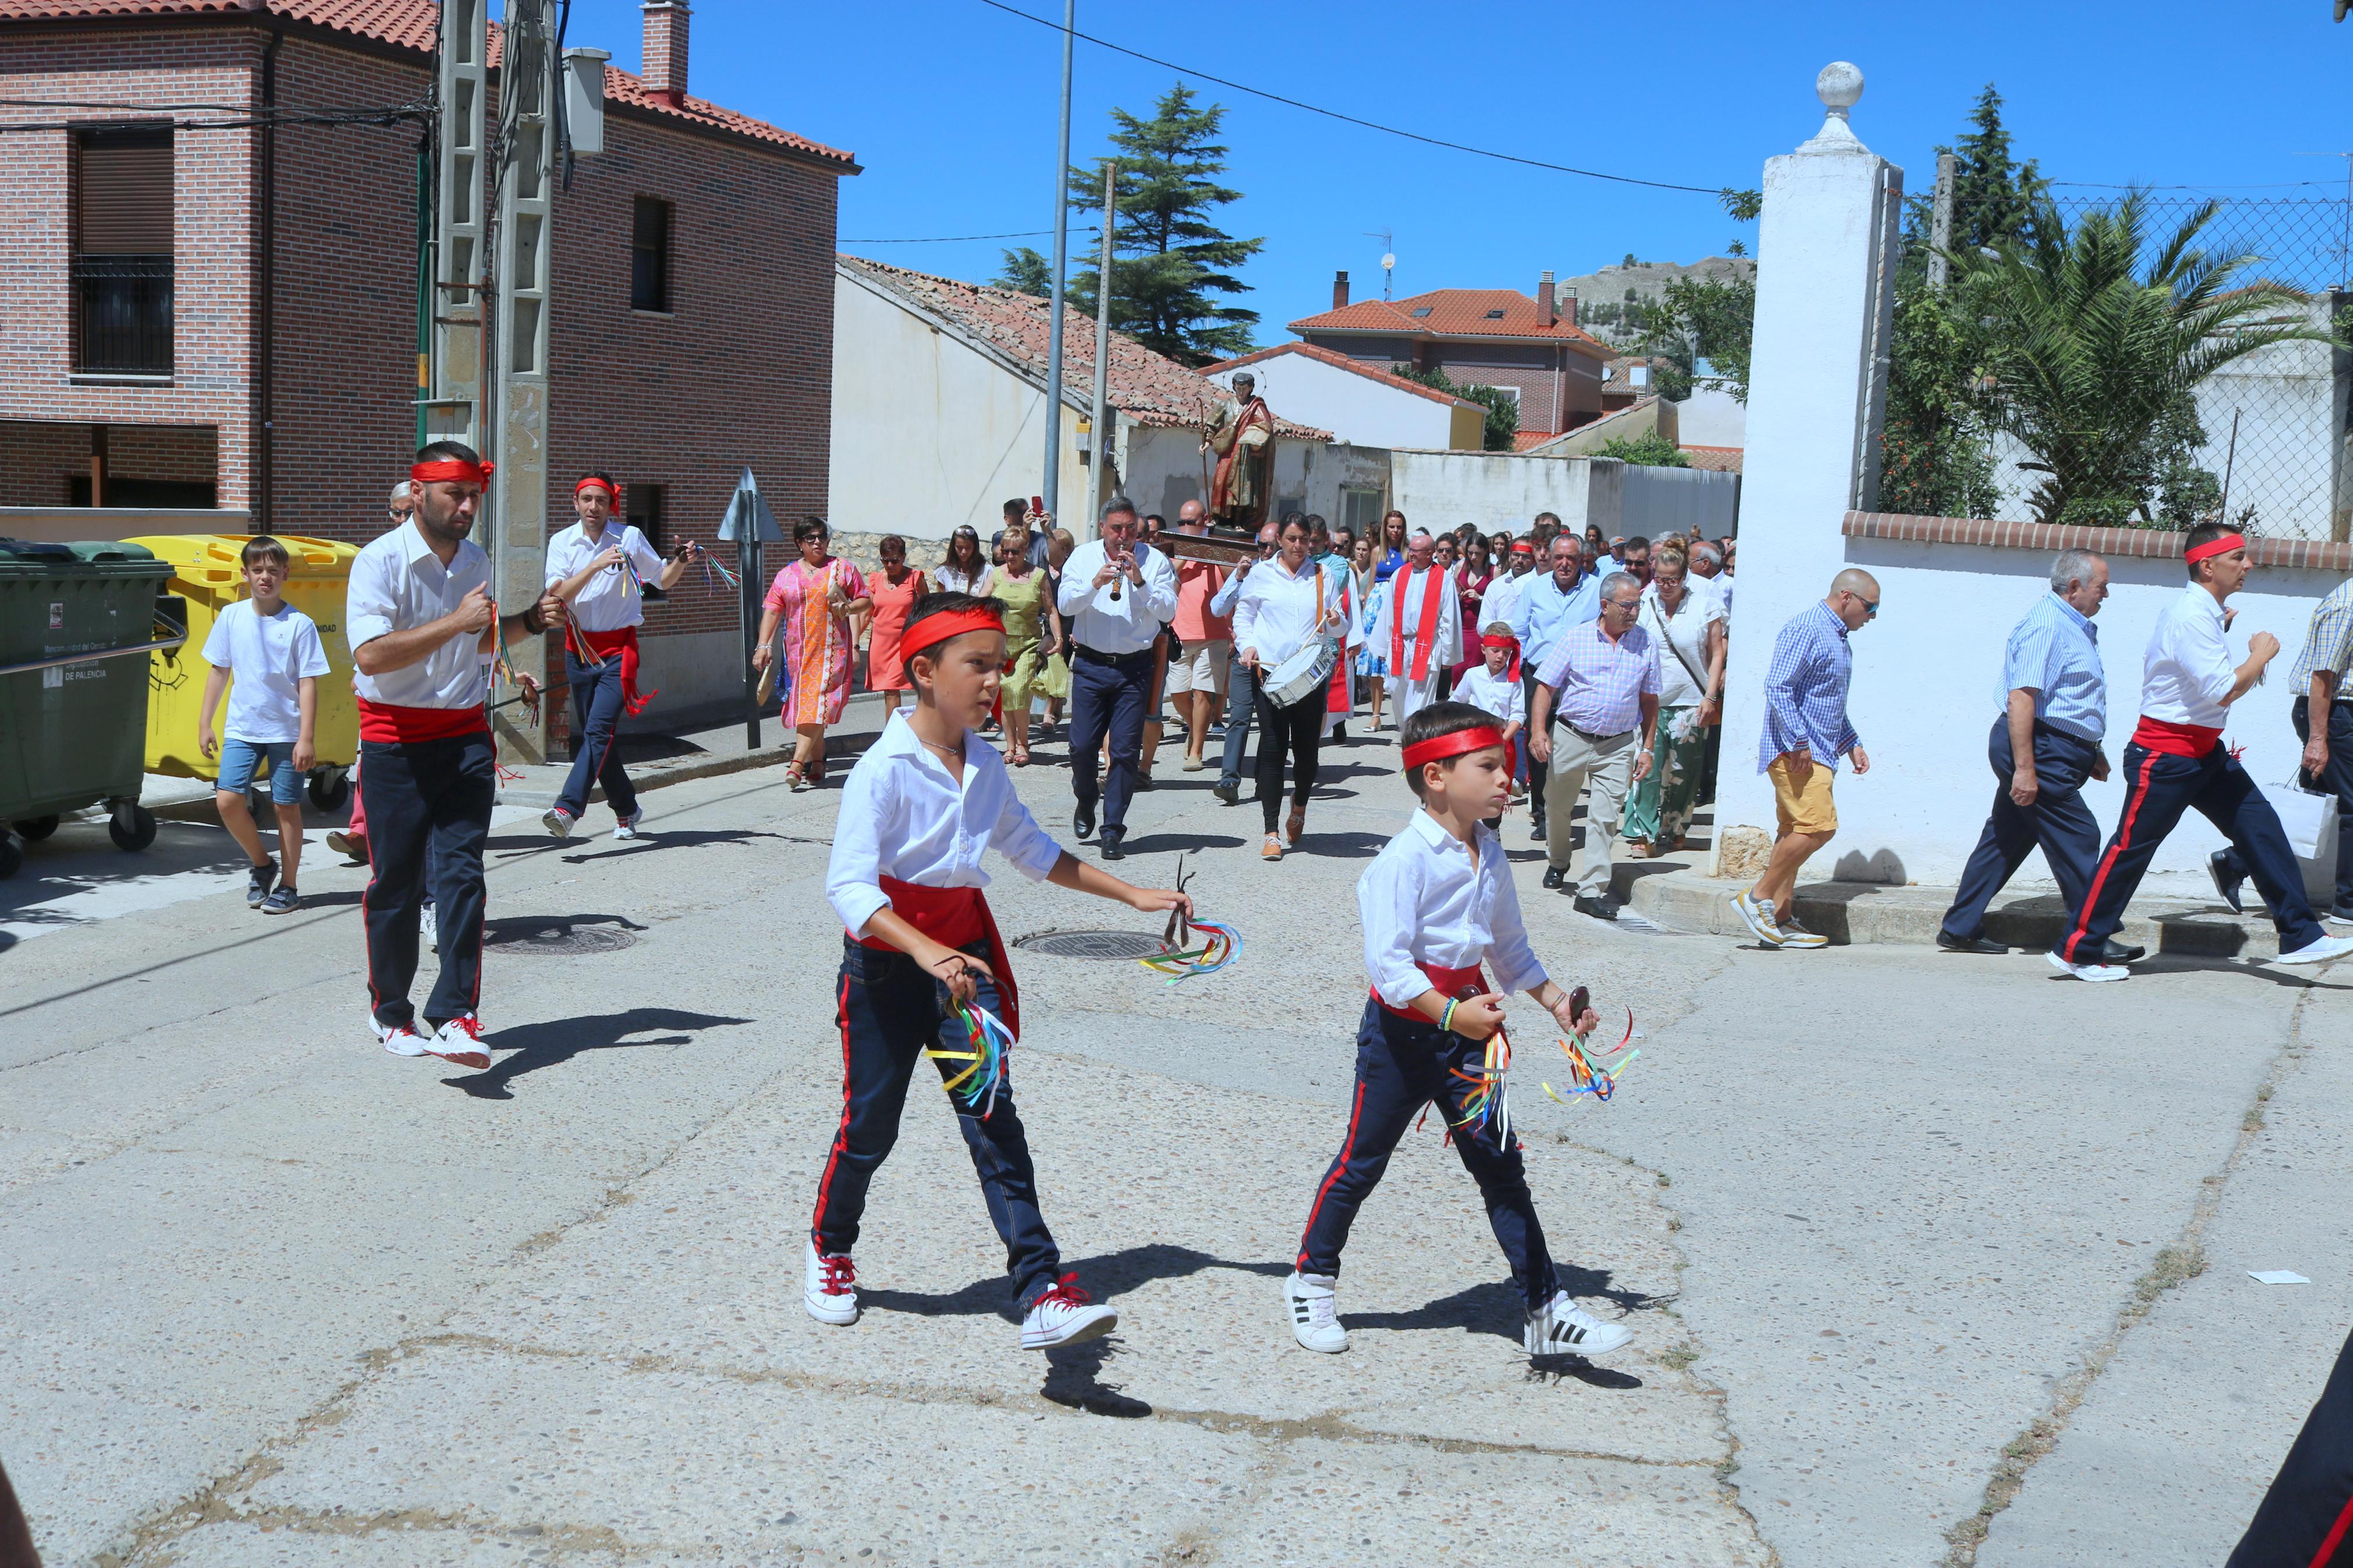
240, 760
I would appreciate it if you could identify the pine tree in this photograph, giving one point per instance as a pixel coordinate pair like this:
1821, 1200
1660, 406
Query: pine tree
1170, 262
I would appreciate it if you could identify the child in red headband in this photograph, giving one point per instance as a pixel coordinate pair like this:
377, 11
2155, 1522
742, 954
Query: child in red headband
924, 972
1436, 903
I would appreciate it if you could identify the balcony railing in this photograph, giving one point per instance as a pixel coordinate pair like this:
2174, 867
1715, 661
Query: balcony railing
124, 307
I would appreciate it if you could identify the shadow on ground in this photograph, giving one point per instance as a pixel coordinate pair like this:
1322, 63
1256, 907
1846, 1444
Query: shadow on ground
536, 1047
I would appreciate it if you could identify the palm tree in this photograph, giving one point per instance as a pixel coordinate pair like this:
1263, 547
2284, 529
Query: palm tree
2087, 359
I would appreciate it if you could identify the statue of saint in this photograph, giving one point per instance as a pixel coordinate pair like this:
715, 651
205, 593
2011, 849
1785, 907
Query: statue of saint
1243, 440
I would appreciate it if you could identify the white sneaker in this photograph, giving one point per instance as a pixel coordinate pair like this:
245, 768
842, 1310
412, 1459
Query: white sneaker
2320, 949
1561, 1327
2097, 972
1064, 1316
400, 1039
429, 926
626, 827
460, 1042
1314, 1306
1795, 935
1758, 915
558, 822
829, 1285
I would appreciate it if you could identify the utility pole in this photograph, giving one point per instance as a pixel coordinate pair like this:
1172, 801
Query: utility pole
1051, 487
1940, 219
1102, 417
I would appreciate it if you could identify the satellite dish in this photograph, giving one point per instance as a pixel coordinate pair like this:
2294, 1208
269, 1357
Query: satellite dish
1389, 261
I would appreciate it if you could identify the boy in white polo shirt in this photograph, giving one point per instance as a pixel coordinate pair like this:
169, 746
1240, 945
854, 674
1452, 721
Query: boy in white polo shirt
272, 650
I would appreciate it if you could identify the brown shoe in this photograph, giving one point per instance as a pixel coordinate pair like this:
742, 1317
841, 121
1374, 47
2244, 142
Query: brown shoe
1295, 825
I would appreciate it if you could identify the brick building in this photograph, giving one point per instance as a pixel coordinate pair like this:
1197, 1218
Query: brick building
199, 311
1492, 337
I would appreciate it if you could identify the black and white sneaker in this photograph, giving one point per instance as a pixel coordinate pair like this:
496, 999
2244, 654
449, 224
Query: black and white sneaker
259, 880
1314, 1303
1561, 1327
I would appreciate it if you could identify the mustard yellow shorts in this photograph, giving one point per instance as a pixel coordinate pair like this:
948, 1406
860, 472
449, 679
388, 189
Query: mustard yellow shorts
1807, 810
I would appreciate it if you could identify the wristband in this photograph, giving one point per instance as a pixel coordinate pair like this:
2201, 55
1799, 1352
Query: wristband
1446, 1019
533, 621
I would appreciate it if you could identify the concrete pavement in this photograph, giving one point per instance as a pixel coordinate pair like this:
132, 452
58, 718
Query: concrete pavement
277, 1298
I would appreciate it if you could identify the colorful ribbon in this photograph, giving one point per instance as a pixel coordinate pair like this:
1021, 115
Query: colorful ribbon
1585, 1078
1223, 946
1490, 1108
989, 1039
711, 564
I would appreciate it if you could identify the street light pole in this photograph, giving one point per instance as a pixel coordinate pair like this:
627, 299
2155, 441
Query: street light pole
1099, 460
1053, 486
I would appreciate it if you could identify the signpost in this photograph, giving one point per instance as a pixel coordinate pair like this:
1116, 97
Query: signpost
749, 524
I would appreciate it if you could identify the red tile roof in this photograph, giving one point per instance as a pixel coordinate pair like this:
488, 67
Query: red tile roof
1148, 387
1339, 361
1521, 440
1454, 313
1720, 459
409, 24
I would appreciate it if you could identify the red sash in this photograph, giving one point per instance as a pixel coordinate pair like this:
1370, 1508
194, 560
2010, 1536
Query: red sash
625, 643
390, 723
2191, 741
1448, 982
1426, 632
954, 917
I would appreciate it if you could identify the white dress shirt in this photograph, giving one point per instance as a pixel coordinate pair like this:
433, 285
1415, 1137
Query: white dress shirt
904, 815
1128, 624
608, 602
2187, 672
1506, 699
1423, 901
1502, 600
1276, 613
398, 584
1222, 602
1402, 596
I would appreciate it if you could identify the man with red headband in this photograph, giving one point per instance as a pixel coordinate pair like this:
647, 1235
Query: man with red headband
2176, 759
424, 631
600, 570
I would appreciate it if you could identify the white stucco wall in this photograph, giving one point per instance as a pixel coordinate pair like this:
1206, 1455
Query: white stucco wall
1712, 417
928, 434
1507, 490
1355, 409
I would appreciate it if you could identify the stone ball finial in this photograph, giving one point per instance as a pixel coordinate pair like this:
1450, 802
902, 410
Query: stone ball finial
1839, 86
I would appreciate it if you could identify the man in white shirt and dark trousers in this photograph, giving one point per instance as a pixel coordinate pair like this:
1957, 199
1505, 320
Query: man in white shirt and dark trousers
1114, 599
2176, 760
424, 630
599, 569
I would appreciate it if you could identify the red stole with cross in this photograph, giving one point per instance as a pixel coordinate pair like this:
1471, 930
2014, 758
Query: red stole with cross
1425, 627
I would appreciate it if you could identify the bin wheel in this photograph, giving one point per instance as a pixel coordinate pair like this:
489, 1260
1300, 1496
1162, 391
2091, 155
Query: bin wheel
12, 858
131, 827
33, 829
329, 788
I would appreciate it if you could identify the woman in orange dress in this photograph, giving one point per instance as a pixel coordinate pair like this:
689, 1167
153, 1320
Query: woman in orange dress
814, 597
894, 593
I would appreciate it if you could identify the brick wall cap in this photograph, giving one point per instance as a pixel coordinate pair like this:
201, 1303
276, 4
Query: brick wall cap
2123, 543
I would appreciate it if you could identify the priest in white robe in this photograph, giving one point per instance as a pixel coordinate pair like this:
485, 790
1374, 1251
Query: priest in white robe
1419, 628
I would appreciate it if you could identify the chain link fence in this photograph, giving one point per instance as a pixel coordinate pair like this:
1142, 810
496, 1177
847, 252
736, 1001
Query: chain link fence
2267, 441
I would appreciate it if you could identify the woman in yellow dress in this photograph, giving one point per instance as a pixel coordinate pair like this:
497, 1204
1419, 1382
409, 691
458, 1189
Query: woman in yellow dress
1033, 631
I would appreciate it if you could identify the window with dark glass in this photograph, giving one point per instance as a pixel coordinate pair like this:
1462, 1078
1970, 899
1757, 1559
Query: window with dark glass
649, 256
644, 513
122, 250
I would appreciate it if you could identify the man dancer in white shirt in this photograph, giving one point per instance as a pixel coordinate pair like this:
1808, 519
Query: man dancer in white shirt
423, 628
598, 568
1114, 599
1419, 625
2176, 759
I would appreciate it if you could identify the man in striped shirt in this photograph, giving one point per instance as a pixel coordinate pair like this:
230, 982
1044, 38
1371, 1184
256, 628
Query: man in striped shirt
1806, 733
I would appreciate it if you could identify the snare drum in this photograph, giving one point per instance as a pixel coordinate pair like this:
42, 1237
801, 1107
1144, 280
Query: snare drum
1305, 674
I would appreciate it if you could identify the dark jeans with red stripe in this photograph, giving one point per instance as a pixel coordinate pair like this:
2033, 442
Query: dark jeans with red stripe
1402, 1066
2308, 1512
429, 806
596, 714
2161, 786
890, 1010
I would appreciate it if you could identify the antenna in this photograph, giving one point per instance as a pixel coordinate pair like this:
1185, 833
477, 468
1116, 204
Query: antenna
1389, 256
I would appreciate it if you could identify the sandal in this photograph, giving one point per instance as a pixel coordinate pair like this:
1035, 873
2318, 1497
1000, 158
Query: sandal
1020, 758
795, 780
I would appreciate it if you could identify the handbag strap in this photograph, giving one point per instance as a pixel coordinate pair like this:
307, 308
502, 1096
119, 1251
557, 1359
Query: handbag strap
1684, 659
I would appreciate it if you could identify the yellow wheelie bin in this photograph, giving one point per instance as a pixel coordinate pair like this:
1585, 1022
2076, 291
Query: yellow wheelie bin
205, 571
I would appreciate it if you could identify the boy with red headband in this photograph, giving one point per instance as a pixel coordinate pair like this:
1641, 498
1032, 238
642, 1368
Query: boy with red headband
1492, 686
2176, 759
923, 971
1436, 904
422, 631
600, 570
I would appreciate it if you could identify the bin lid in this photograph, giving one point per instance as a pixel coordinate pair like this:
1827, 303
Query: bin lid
21, 557
210, 560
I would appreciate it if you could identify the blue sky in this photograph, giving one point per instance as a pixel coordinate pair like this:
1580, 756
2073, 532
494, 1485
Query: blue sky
950, 106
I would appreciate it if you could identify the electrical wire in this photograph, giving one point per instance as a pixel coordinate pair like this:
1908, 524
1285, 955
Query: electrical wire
950, 239
1353, 119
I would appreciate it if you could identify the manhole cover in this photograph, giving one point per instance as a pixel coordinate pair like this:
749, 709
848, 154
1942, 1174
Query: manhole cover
1094, 944
547, 937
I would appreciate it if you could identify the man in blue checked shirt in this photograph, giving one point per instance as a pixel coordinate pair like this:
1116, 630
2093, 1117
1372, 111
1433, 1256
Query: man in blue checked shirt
1806, 733
2042, 749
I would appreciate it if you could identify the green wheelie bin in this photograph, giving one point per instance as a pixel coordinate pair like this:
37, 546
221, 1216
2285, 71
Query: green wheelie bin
78, 623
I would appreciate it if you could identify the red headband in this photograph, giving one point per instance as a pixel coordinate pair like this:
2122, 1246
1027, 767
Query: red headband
592, 482
1438, 748
1489, 640
2222, 546
451, 468
938, 629
1521, 547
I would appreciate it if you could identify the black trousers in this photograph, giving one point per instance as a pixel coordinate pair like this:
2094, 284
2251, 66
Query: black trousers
1297, 731
2159, 787
428, 802
2058, 820
595, 714
2306, 1516
1108, 697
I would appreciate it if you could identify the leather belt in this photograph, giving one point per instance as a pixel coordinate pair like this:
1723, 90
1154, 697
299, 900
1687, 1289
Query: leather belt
1102, 657
1588, 735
